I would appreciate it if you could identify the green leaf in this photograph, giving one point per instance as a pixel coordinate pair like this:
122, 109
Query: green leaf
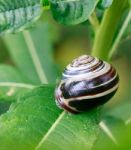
45, 3
129, 2
26, 121
127, 31
34, 121
16, 15
123, 31
120, 110
109, 137
12, 83
105, 3
115, 133
10, 74
32, 53
79, 131
4, 55
72, 12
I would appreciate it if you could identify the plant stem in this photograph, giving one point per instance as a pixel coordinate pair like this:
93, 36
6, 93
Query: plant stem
94, 21
123, 28
105, 34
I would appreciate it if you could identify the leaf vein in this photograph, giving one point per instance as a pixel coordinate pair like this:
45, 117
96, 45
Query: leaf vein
50, 130
15, 84
35, 57
108, 132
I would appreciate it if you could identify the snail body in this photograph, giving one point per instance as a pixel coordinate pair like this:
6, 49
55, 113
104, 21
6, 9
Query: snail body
86, 83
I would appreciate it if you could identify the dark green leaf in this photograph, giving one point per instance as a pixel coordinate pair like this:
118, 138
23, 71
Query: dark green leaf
45, 3
105, 3
72, 12
16, 15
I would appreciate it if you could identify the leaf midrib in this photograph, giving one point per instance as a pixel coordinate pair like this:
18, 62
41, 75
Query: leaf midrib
51, 129
35, 58
107, 131
102, 125
16, 84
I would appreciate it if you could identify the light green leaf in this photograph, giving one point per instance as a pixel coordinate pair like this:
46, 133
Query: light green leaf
10, 74
72, 12
79, 131
123, 32
115, 134
32, 53
34, 121
11, 83
109, 137
129, 2
16, 15
120, 110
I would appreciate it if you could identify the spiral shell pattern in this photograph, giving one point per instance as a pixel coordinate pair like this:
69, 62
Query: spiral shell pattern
86, 83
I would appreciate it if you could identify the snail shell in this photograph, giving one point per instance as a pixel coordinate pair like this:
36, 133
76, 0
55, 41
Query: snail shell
86, 83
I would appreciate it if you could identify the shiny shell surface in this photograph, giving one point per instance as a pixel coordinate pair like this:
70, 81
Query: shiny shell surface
86, 83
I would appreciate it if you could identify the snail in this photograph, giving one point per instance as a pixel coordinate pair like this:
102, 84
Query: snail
87, 82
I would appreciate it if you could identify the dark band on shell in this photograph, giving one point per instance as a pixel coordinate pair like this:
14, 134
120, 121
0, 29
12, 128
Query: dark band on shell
86, 83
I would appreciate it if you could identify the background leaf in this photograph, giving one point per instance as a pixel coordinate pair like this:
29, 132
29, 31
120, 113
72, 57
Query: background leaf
11, 83
105, 3
16, 15
129, 2
73, 11
119, 112
32, 53
110, 134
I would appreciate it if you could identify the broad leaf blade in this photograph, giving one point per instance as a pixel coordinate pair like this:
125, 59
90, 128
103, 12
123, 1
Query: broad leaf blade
120, 110
26, 121
72, 12
72, 132
10, 74
129, 2
35, 114
127, 31
109, 137
11, 83
32, 53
